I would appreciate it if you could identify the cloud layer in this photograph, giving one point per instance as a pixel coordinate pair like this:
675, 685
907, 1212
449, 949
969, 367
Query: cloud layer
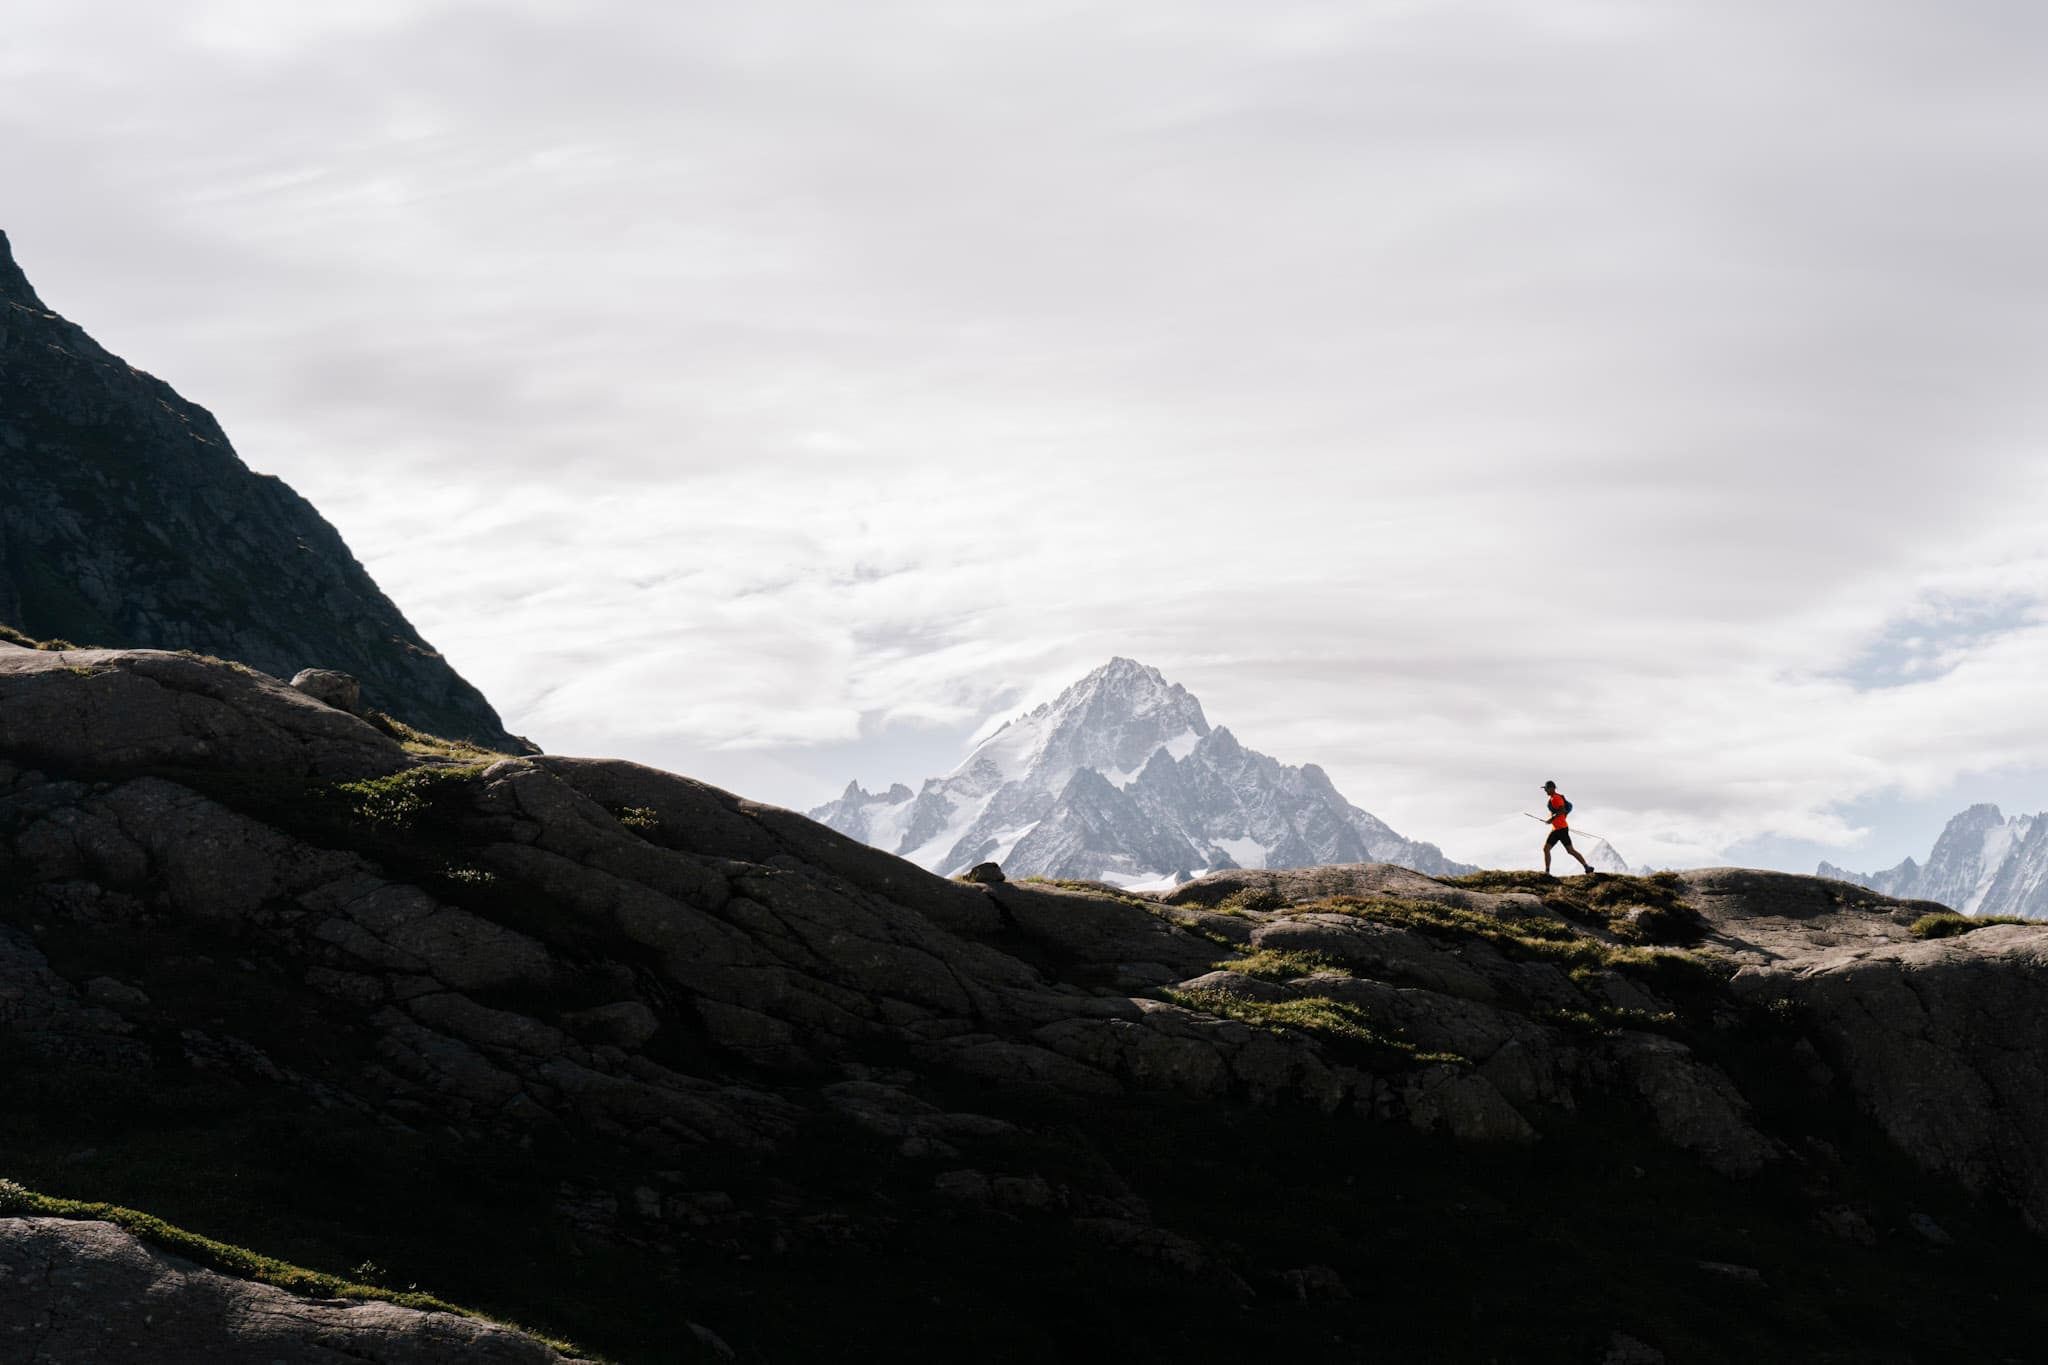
1453, 395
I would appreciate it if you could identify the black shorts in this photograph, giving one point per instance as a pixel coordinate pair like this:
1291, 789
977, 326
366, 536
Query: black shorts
1558, 836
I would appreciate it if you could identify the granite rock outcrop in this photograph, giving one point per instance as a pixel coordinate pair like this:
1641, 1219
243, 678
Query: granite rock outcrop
130, 521
89, 1293
701, 1049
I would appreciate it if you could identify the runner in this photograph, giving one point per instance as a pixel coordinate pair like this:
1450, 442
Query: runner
1560, 832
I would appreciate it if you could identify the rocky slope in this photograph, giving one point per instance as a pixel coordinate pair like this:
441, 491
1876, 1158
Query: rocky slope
85, 1291
1983, 864
129, 520
1121, 778
672, 1074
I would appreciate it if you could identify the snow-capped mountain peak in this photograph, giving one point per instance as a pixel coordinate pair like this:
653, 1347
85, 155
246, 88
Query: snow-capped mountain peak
1112, 721
1983, 864
1121, 777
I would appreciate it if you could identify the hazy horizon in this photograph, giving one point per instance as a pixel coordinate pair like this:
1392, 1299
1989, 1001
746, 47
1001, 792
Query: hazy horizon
1451, 396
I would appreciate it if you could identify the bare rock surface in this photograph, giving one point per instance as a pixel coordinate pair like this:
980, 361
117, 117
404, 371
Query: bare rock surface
695, 1003
1316, 883
1774, 918
1945, 1044
796, 949
86, 1293
105, 708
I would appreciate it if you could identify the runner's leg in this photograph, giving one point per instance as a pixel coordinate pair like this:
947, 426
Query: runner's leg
1574, 852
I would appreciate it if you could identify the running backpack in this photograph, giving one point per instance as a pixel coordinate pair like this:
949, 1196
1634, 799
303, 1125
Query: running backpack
1565, 809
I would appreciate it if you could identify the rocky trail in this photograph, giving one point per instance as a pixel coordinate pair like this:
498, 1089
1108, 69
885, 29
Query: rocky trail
674, 1075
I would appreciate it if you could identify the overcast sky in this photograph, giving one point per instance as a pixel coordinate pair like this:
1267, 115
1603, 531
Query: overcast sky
1642, 395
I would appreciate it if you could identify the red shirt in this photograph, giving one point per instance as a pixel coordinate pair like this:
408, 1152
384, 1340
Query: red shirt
1556, 811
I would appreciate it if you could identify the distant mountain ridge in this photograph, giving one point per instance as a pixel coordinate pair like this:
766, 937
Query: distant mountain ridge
126, 519
1983, 864
1121, 778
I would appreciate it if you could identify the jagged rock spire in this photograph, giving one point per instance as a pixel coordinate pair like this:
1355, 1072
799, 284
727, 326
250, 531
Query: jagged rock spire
14, 286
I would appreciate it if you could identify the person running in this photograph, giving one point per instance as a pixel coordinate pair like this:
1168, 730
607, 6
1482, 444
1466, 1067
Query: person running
1560, 832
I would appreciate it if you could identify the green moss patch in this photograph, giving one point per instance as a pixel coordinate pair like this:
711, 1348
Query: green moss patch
432, 746
397, 801
639, 819
1648, 909
1274, 964
1948, 924
1537, 939
1330, 1021
1435, 917
1251, 900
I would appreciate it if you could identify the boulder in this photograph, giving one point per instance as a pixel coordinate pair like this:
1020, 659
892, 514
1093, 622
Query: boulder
339, 690
1695, 1106
1945, 1045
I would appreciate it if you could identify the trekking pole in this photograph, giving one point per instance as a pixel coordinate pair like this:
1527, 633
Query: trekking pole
1587, 832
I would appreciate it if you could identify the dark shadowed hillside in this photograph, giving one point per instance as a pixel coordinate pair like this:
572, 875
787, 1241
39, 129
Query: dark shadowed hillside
675, 1075
127, 519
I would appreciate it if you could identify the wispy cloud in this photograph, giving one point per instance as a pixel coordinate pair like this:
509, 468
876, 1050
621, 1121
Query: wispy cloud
1457, 396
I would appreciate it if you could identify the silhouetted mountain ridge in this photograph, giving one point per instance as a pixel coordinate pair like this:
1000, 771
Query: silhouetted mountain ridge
128, 520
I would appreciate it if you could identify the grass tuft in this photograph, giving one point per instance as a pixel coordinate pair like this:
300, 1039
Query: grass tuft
1275, 964
1606, 1020
469, 876
1948, 924
235, 664
13, 636
1252, 900
1316, 1015
397, 801
1431, 916
639, 818
1102, 889
431, 746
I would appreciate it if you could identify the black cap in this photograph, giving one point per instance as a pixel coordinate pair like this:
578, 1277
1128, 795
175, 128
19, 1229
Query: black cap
1550, 786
